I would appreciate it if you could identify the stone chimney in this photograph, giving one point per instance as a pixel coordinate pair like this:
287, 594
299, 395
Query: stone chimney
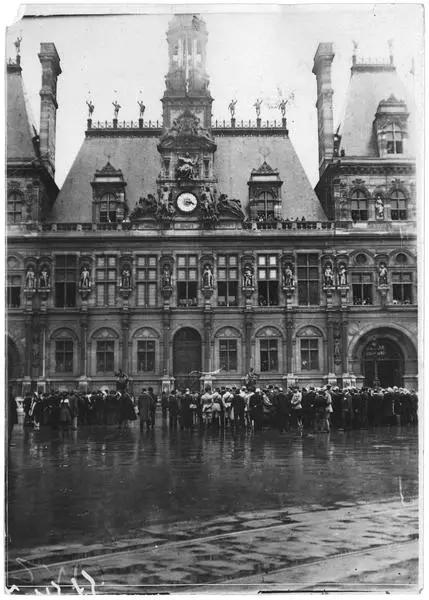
325, 116
50, 61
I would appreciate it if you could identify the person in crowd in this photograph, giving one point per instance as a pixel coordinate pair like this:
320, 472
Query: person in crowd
12, 416
64, 418
126, 410
328, 409
153, 404
164, 404
173, 410
256, 408
238, 405
296, 405
186, 413
283, 406
143, 403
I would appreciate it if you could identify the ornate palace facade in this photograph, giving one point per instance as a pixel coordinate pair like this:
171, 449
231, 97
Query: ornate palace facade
200, 246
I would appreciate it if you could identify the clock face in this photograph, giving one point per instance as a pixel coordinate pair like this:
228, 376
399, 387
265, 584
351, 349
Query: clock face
186, 202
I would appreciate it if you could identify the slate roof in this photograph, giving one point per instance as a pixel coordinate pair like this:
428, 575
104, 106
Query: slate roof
369, 85
20, 132
139, 160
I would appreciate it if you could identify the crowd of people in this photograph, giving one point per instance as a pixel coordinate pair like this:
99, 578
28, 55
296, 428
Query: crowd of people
234, 407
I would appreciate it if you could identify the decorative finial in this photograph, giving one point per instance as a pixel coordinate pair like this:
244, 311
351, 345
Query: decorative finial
17, 43
116, 108
142, 108
91, 107
231, 108
257, 106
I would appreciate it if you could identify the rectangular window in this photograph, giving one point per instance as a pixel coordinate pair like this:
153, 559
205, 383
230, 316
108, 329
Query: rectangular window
105, 356
362, 289
146, 355
64, 356
105, 280
269, 355
187, 280
228, 355
146, 281
359, 209
309, 354
308, 279
227, 280
65, 280
268, 280
402, 288
14, 291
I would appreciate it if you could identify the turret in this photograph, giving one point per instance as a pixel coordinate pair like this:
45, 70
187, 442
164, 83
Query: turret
325, 117
50, 61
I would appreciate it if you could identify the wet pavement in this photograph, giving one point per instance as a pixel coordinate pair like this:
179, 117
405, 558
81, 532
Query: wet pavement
215, 510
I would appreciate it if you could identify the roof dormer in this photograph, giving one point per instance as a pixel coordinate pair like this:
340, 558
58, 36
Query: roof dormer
390, 125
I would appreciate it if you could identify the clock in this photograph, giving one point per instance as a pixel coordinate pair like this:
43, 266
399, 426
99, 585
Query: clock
186, 202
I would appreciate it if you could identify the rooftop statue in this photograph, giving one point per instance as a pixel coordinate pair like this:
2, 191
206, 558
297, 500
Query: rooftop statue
116, 109
142, 108
257, 106
230, 205
91, 107
231, 108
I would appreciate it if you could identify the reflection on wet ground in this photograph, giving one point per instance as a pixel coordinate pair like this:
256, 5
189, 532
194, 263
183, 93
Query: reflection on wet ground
102, 485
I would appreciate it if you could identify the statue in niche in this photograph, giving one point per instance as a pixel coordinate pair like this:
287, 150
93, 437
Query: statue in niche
337, 350
382, 274
30, 278
328, 275
44, 278
342, 274
166, 276
379, 207
288, 277
126, 278
208, 276
165, 196
248, 276
85, 280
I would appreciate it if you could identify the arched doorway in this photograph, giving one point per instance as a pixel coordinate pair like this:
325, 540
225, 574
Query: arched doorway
187, 358
382, 363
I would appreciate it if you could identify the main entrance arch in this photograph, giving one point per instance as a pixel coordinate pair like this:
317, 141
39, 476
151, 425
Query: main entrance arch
382, 363
187, 357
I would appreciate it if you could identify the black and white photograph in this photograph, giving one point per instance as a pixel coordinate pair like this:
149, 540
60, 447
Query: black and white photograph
213, 338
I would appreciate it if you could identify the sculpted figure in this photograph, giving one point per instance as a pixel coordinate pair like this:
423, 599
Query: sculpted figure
30, 279
91, 107
282, 106
230, 205
288, 276
207, 276
342, 274
257, 106
231, 108
247, 276
85, 281
185, 167
116, 108
379, 207
142, 108
166, 276
126, 278
44, 277
382, 274
328, 275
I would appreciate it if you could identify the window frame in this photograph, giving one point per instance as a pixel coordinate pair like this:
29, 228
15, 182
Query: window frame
109, 297
143, 353
227, 279
309, 352
267, 200
359, 206
12, 290
65, 281
363, 287
64, 352
308, 286
14, 198
231, 353
187, 283
147, 280
398, 205
267, 341
401, 285
267, 284
104, 352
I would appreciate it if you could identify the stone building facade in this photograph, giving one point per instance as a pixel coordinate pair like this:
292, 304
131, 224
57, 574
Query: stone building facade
199, 250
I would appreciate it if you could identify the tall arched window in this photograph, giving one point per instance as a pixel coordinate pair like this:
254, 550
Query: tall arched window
265, 205
359, 206
398, 206
108, 208
14, 208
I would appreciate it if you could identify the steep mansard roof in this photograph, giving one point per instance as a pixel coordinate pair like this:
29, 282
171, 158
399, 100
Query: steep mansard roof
20, 131
138, 158
369, 85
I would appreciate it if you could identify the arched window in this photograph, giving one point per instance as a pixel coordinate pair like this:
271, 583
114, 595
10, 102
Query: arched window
14, 208
265, 205
398, 206
394, 140
359, 206
269, 339
310, 340
108, 208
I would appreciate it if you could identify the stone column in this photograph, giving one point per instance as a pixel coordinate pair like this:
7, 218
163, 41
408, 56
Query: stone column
248, 325
166, 338
125, 339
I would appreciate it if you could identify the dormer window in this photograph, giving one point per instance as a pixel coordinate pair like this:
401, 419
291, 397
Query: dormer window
394, 142
264, 205
109, 205
265, 194
108, 209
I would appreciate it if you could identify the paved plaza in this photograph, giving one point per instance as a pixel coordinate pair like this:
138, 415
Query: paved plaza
212, 511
